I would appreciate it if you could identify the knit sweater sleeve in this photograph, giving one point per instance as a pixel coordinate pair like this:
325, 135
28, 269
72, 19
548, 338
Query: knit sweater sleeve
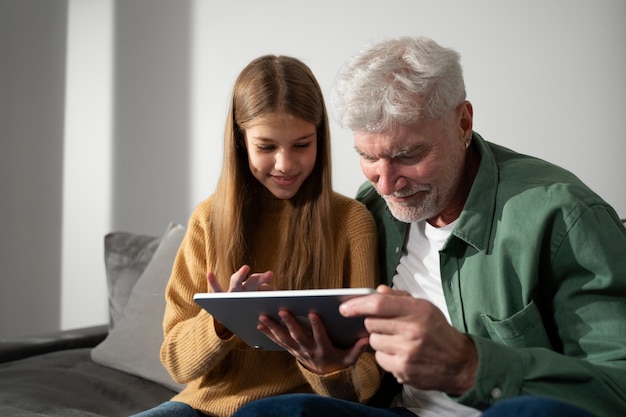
191, 346
357, 243
357, 383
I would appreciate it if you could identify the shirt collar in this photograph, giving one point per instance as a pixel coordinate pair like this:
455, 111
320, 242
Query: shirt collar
476, 219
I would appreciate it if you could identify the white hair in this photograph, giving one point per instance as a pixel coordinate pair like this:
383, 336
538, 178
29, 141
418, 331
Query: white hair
397, 81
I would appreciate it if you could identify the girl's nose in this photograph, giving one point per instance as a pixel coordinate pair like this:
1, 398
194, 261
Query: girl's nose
283, 161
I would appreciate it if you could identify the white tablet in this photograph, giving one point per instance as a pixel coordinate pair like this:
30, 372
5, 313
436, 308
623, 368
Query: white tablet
239, 312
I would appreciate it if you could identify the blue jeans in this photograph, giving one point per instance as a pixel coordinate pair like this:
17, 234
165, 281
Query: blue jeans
309, 405
170, 409
526, 406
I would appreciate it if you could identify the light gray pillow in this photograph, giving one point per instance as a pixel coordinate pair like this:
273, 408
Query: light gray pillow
126, 255
133, 344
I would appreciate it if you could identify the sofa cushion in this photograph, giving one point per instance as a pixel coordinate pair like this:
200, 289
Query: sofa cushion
126, 255
68, 383
133, 344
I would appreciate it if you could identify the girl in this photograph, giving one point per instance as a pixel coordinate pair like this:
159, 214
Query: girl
274, 210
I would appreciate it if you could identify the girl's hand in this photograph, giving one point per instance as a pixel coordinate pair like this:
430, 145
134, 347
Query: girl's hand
311, 347
239, 281
242, 280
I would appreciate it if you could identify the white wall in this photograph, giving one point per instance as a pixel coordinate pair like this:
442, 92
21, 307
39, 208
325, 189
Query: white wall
95, 137
151, 114
545, 77
32, 76
87, 161
126, 138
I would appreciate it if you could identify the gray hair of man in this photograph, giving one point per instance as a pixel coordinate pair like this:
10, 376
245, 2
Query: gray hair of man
397, 81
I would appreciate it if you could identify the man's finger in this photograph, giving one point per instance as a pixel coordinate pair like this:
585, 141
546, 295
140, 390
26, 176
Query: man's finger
379, 305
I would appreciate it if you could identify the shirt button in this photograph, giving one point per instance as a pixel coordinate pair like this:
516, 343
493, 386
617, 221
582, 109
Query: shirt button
496, 393
397, 249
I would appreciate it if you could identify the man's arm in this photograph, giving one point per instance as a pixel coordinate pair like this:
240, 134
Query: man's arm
585, 317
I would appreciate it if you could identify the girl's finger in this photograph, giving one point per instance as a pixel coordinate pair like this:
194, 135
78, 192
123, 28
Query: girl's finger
214, 285
237, 279
257, 280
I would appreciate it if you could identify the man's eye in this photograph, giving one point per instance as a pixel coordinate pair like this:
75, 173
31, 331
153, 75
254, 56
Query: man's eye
411, 158
369, 158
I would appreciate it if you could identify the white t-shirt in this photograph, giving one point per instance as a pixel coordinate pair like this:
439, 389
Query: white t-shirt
419, 274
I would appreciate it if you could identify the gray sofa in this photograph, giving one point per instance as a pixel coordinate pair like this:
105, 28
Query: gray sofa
108, 370
55, 376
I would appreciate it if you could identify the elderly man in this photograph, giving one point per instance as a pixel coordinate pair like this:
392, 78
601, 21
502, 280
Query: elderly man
508, 273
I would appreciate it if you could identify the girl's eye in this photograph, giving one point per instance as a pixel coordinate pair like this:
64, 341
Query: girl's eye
302, 145
265, 148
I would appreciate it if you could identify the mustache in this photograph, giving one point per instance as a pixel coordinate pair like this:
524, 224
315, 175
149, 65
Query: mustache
405, 192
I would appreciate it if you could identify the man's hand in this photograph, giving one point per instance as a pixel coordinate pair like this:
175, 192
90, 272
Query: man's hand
414, 341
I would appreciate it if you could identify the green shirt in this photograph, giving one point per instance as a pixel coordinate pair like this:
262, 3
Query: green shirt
535, 273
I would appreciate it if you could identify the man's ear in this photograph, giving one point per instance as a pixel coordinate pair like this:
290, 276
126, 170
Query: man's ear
466, 117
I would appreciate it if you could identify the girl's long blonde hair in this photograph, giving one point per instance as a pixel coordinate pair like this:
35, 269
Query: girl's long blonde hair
275, 84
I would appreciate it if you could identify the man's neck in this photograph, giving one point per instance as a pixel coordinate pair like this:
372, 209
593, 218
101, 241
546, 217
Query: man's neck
453, 211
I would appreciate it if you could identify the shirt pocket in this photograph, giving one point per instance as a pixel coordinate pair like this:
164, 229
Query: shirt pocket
523, 329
